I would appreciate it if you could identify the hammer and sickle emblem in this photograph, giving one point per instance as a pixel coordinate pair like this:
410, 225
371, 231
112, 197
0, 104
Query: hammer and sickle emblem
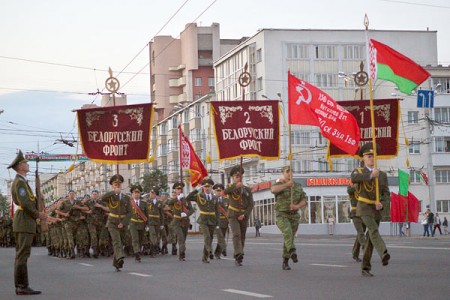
304, 94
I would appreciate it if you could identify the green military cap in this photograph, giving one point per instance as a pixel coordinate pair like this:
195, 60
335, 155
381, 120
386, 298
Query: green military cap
367, 149
136, 188
288, 167
116, 178
165, 193
178, 185
236, 170
218, 186
207, 182
19, 158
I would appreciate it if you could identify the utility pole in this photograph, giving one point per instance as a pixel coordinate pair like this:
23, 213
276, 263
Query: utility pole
431, 180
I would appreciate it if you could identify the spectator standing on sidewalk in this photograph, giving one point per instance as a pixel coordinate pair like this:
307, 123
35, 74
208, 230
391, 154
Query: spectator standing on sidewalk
445, 224
437, 224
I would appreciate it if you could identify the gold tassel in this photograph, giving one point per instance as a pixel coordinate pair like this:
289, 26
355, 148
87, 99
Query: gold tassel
208, 159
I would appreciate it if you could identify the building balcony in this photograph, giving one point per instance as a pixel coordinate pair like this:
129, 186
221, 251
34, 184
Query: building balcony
177, 68
177, 82
173, 156
175, 99
195, 122
205, 62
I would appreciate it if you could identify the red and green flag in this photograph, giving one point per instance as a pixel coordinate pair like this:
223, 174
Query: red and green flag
387, 64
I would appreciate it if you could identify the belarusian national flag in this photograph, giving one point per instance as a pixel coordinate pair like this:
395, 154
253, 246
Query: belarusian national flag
388, 64
403, 183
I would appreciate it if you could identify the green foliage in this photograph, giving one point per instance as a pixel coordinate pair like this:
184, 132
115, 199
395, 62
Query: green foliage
156, 179
4, 205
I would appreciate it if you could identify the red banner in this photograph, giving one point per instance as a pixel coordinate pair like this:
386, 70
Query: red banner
116, 134
190, 160
404, 209
387, 115
309, 105
247, 128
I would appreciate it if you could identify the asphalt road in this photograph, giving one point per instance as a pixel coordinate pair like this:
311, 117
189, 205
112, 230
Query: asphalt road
419, 269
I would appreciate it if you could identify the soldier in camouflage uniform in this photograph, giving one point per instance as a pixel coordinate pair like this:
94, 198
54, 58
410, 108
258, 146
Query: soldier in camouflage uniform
208, 206
119, 216
94, 219
367, 208
221, 230
8, 228
287, 213
239, 209
360, 228
138, 220
2, 232
182, 210
165, 222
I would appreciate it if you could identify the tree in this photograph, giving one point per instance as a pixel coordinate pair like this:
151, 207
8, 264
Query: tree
4, 205
156, 179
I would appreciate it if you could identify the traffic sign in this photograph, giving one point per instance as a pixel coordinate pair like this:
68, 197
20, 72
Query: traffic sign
425, 98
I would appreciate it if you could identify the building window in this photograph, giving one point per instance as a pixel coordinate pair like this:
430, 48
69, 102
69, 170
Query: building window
194, 135
442, 114
442, 176
354, 52
172, 145
259, 84
162, 150
186, 116
174, 123
259, 55
326, 80
162, 129
414, 177
198, 81
442, 144
296, 51
414, 148
442, 206
413, 117
211, 82
300, 137
326, 52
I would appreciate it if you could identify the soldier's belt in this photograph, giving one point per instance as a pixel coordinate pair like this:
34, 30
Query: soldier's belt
289, 212
18, 207
209, 213
116, 216
154, 216
353, 207
177, 217
137, 220
365, 200
236, 209
222, 217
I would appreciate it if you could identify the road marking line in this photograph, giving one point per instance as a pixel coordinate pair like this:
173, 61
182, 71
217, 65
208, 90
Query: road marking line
140, 274
247, 293
325, 265
85, 264
226, 258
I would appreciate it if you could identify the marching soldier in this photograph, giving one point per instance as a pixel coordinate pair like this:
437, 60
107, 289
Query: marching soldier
207, 203
119, 207
154, 209
287, 212
24, 223
367, 208
221, 230
94, 219
181, 209
166, 219
138, 220
360, 228
239, 209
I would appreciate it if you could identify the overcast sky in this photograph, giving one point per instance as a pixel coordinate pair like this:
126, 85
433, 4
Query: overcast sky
53, 52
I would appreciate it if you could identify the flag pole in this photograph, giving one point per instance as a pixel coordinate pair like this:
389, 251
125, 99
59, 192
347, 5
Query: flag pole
372, 112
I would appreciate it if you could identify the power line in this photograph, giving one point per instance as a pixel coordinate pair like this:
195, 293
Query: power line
418, 4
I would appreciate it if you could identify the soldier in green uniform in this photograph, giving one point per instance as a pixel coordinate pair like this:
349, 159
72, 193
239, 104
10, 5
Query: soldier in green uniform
221, 230
287, 214
239, 209
360, 241
94, 219
165, 222
367, 208
208, 205
154, 209
119, 207
138, 220
24, 223
182, 210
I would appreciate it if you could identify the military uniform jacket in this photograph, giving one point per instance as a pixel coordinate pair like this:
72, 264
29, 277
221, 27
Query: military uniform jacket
67, 207
119, 208
26, 213
239, 204
365, 191
154, 214
223, 220
283, 199
166, 219
179, 206
136, 221
96, 216
208, 207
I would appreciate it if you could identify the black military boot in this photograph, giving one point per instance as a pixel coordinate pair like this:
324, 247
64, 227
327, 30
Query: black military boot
164, 250
293, 255
285, 265
174, 249
21, 281
137, 257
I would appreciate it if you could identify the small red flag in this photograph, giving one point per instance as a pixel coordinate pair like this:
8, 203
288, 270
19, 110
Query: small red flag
190, 160
309, 105
413, 208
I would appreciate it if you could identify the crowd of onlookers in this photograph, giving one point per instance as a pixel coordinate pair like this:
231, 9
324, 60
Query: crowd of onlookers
431, 222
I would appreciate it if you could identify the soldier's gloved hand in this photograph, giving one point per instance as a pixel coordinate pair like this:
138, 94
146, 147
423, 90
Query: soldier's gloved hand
183, 215
199, 187
162, 227
180, 196
147, 228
